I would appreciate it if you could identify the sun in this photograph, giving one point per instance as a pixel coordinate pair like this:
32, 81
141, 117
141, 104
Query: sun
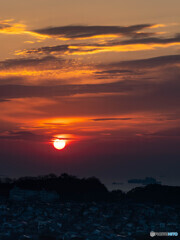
59, 144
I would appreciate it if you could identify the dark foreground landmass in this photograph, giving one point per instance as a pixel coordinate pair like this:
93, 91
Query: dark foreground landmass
68, 208
71, 188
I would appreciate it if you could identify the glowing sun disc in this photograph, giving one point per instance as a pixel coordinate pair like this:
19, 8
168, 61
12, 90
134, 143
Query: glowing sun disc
59, 144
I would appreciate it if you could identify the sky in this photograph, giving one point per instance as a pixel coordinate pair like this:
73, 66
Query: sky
104, 76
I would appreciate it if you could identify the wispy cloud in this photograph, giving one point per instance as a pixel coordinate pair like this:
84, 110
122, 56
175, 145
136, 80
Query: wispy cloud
11, 27
148, 62
111, 119
84, 32
28, 62
8, 26
23, 135
170, 132
139, 43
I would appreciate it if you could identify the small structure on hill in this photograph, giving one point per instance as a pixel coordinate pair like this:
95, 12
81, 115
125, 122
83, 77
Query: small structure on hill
18, 194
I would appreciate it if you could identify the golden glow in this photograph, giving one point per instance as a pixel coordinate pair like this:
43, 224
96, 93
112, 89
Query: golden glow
120, 48
46, 70
95, 36
8, 27
69, 120
59, 144
11, 27
158, 26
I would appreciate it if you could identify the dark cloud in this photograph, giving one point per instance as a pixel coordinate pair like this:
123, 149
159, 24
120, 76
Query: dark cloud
136, 40
171, 132
30, 62
148, 63
58, 49
21, 91
145, 181
3, 100
11, 80
115, 71
151, 40
111, 119
29, 136
4, 25
49, 49
173, 116
22, 135
75, 32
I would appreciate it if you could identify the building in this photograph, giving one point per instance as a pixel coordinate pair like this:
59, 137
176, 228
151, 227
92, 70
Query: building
18, 194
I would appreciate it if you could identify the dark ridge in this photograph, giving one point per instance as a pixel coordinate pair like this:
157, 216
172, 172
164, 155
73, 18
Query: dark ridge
71, 188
